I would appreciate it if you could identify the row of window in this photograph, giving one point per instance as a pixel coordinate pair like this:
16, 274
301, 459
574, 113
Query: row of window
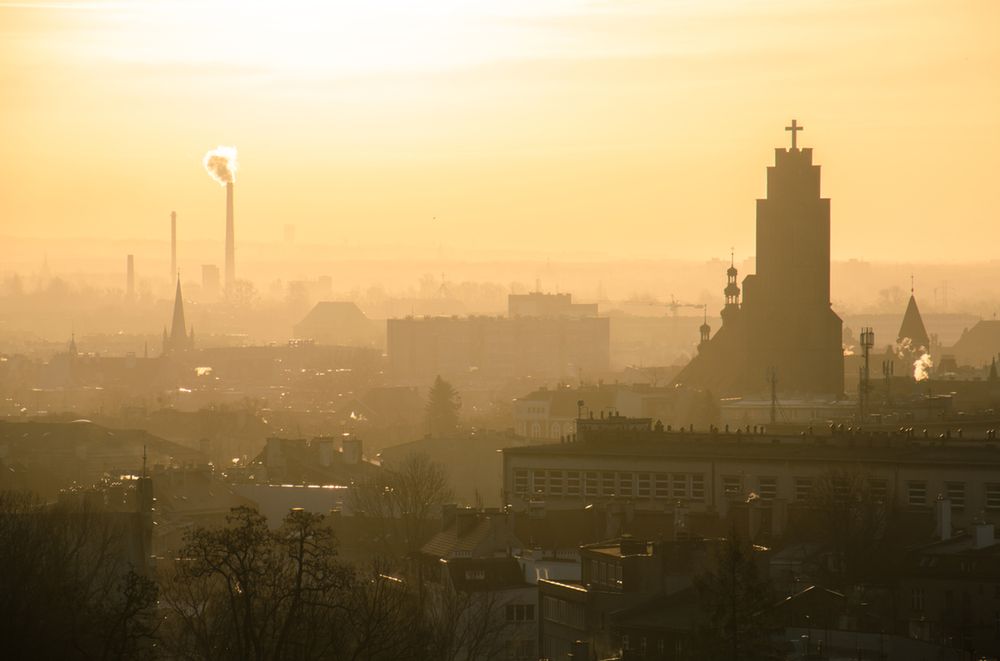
605, 573
691, 487
916, 494
606, 484
563, 612
520, 612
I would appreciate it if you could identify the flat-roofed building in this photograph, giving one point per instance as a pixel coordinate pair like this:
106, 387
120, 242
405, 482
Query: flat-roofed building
618, 459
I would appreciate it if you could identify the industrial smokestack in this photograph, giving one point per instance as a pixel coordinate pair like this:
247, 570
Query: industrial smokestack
173, 245
130, 277
230, 240
221, 166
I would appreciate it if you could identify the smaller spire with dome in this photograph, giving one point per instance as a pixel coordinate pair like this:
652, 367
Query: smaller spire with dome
705, 330
732, 290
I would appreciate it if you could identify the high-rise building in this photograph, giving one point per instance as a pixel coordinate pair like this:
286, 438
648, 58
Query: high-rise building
784, 329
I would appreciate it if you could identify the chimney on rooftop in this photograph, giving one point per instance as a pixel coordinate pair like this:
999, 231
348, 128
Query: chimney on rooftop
983, 535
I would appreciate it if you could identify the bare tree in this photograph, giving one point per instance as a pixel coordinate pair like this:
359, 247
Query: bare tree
245, 592
850, 518
736, 602
401, 499
467, 625
68, 583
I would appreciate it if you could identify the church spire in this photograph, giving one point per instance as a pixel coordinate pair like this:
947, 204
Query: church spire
732, 290
913, 327
178, 329
705, 330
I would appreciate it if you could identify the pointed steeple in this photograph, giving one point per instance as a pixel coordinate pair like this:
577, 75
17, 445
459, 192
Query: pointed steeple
178, 329
72, 344
705, 331
913, 326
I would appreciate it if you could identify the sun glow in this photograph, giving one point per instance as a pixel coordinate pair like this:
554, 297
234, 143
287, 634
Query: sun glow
308, 38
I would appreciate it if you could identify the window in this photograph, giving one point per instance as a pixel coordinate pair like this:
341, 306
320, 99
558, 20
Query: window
661, 485
555, 483
993, 496
475, 574
625, 642
803, 488
768, 488
956, 494
520, 481
698, 487
520, 612
607, 483
879, 489
625, 484
572, 483
841, 487
538, 482
679, 485
590, 485
643, 485
916, 493
917, 599
732, 486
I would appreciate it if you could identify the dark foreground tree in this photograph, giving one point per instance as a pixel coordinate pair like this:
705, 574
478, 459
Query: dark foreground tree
244, 591
400, 501
736, 604
849, 517
68, 588
442, 409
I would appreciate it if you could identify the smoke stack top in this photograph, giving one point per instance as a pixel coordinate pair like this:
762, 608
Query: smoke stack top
220, 163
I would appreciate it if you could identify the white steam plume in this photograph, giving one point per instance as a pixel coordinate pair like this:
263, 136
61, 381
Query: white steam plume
220, 163
922, 366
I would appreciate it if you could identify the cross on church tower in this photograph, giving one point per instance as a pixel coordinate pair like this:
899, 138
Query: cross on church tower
794, 128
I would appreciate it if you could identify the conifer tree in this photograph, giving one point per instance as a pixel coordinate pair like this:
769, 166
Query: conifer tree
442, 408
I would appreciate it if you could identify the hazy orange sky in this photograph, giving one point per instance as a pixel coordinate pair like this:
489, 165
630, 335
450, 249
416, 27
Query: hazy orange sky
615, 127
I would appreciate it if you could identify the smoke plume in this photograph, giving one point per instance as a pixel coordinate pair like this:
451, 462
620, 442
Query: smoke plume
921, 367
220, 163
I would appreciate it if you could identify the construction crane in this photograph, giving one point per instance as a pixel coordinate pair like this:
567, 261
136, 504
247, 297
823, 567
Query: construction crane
673, 305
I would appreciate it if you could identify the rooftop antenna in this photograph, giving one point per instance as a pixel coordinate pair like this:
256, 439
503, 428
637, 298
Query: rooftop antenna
867, 342
144, 460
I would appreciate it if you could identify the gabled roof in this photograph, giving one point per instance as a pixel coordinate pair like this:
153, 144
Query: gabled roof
467, 537
913, 326
978, 344
484, 574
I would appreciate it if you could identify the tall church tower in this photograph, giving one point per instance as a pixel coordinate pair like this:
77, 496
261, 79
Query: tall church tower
784, 325
792, 328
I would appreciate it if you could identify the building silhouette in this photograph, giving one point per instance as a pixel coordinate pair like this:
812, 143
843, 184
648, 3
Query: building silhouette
912, 332
178, 340
784, 328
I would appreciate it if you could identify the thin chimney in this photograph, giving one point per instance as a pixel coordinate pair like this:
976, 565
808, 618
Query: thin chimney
230, 240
